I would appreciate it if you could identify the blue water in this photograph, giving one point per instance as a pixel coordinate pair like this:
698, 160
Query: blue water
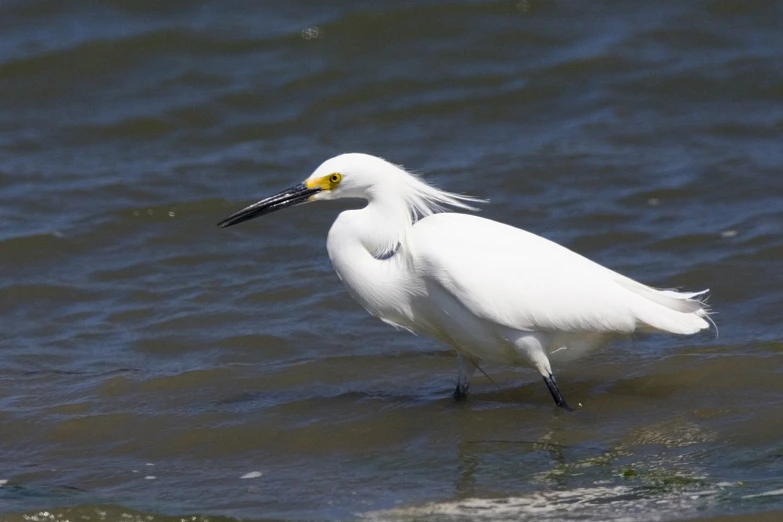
139, 340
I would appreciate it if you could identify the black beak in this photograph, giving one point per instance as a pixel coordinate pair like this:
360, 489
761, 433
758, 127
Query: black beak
287, 198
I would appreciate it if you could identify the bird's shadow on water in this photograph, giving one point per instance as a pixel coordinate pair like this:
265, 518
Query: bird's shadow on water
470, 453
540, 454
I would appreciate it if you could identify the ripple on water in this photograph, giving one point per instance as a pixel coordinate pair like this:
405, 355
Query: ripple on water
135, 332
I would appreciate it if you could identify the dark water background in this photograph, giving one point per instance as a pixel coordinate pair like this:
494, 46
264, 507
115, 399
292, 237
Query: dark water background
149, 360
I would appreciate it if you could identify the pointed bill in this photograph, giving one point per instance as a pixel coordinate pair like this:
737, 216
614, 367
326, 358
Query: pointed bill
292, 196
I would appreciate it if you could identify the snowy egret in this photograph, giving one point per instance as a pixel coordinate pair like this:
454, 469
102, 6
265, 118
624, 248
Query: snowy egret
490, 291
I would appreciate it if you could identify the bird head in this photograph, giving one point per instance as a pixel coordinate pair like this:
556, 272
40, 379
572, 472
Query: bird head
345, 176
356, 175
353, 175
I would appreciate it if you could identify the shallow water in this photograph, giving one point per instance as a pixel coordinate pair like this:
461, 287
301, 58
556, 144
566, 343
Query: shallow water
150, 360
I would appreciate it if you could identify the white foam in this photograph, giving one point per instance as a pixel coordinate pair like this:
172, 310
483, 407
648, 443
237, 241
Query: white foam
616, 503
766, 494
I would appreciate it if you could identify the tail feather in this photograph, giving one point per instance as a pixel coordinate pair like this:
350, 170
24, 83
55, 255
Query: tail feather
669, 310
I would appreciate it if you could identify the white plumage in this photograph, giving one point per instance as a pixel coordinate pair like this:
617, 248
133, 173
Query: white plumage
491, 291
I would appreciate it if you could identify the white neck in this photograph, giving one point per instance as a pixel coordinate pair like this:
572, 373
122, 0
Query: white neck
357, 244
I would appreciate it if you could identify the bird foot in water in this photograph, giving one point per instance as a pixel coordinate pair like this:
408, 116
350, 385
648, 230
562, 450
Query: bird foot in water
551, 383
460, 392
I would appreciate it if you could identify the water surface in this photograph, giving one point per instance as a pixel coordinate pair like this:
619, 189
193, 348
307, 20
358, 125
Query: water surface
150, 360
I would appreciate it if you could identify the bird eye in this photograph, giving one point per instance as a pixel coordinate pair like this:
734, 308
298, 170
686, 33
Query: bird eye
335, 178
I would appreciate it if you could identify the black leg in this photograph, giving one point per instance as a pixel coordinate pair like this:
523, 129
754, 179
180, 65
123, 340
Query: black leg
465, 368
461, 392
555, 391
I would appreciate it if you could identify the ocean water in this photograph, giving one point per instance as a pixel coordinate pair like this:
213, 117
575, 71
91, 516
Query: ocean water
155, 367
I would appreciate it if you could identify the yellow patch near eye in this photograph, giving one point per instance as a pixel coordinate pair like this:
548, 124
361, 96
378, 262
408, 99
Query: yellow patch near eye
325, 182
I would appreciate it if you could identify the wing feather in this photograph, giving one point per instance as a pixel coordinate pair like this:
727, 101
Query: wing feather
517, 279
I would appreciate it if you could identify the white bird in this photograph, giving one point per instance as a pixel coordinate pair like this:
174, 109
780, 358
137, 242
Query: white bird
490, 291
